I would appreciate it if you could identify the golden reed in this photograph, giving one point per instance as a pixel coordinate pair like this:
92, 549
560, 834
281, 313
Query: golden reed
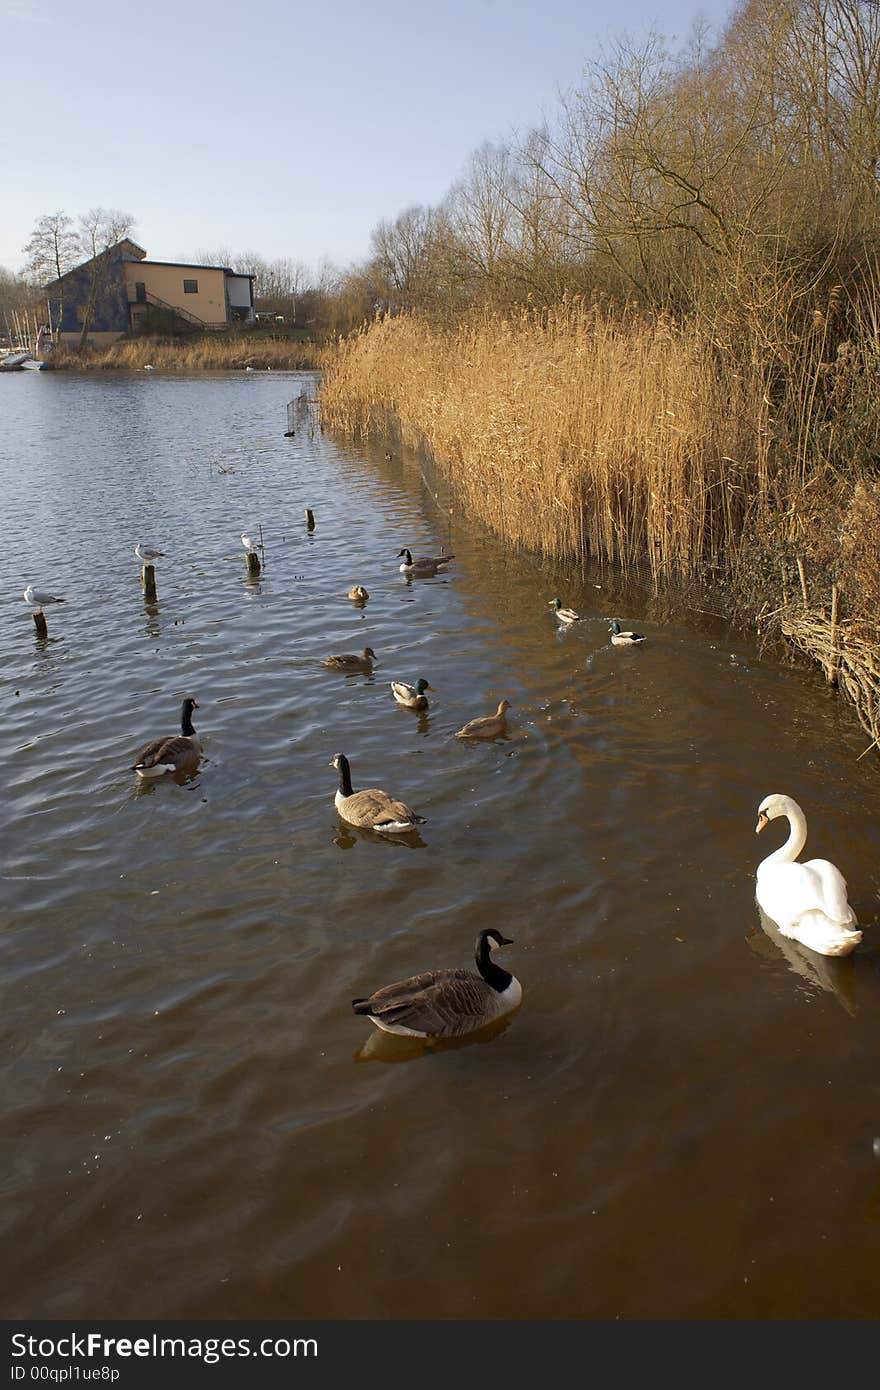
570, 432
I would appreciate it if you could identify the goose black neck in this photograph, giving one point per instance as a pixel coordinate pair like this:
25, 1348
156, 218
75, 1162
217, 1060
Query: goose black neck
186, 724
407, 556
344, 775
494, 976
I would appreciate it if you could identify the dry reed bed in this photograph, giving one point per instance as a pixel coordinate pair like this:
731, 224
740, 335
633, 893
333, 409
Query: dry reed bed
576, 433
569, 433
217, 352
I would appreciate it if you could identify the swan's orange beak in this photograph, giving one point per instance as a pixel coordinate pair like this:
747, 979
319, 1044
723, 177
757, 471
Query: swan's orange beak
762, 821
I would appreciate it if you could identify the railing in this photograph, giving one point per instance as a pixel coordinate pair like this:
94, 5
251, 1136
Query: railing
157, 303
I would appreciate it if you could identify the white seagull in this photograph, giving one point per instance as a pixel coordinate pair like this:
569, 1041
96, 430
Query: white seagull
248, 544
37, 598
147, 554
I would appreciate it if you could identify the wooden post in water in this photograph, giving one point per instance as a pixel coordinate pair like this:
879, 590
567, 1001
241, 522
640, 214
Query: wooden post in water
40, 624
148, 582
253, 564
310, 519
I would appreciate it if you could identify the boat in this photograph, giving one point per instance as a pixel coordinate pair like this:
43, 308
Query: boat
11, 361
34, 365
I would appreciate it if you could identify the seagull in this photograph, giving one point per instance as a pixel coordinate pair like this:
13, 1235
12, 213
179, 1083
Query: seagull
248, 544
147, 554
39, 597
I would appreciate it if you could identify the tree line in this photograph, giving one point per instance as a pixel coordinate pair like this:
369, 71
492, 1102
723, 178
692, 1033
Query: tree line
735, 179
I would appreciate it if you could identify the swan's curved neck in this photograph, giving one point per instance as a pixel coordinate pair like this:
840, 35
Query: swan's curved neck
797, 838
493, 974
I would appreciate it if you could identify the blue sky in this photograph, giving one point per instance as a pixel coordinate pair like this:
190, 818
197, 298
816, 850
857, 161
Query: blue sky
287, 129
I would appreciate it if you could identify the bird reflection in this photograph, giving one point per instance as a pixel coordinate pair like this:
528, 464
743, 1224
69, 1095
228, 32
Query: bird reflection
146, 786
152, 627
347, 836
832, 974
392, 1047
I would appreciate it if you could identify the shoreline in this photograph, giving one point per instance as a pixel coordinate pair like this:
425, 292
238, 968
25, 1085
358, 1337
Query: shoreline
587, 439
205, 353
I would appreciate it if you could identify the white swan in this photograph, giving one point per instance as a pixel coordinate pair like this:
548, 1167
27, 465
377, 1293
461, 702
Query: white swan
807, 902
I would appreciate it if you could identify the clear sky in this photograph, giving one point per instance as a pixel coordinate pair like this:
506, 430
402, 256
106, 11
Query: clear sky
286, 129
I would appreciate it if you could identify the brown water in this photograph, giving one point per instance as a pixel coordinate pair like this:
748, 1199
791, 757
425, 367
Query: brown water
680, 1119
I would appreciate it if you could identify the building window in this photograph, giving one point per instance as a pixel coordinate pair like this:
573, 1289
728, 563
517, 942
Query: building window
190, 286
140, 292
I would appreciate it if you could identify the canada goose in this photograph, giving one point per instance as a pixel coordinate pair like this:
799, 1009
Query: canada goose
565, 615
174, 753
623, 639
148, 554
808, 901
348, 661
39, 598
446, 1003
371, 809
424, 564
411, 696
489, 727
358, 594
248, 544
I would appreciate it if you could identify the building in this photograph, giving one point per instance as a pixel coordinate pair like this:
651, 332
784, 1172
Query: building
122, 291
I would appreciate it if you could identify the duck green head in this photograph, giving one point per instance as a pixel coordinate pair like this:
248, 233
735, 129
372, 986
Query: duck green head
555, 602
615, 627
421, 686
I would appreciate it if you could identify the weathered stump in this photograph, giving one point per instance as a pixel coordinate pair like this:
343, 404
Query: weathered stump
310, 519
148, 583
40, 624
253, 564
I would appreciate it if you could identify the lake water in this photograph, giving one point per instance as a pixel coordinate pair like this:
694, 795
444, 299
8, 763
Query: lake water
680, 1120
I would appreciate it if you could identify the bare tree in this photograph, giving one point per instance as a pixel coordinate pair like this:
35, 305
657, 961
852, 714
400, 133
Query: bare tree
51, 251
99, 231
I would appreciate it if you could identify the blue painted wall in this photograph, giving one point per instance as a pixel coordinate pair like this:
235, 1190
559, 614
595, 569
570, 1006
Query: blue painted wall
111, 309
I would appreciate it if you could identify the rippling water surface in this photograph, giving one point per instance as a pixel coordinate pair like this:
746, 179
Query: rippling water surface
680, 1119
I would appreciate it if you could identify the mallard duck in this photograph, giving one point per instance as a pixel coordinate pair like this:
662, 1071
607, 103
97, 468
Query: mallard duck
565, 615
489, 727
623, 639
174, 753
352, 662
412, 696
148, 554
371, 809
39, 598
424, 564
807, 902
358, 594
446, 1003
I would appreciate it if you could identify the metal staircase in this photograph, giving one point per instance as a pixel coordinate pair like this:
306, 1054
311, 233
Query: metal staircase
149, 298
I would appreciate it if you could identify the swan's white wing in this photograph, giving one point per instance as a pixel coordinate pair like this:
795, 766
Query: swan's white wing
787, 891
831, 891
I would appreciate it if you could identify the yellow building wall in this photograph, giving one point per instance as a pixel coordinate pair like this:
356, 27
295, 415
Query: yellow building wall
166, 283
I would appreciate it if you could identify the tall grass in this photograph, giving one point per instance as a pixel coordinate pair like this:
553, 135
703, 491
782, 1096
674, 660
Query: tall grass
211, 352
581, 432
573, 432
